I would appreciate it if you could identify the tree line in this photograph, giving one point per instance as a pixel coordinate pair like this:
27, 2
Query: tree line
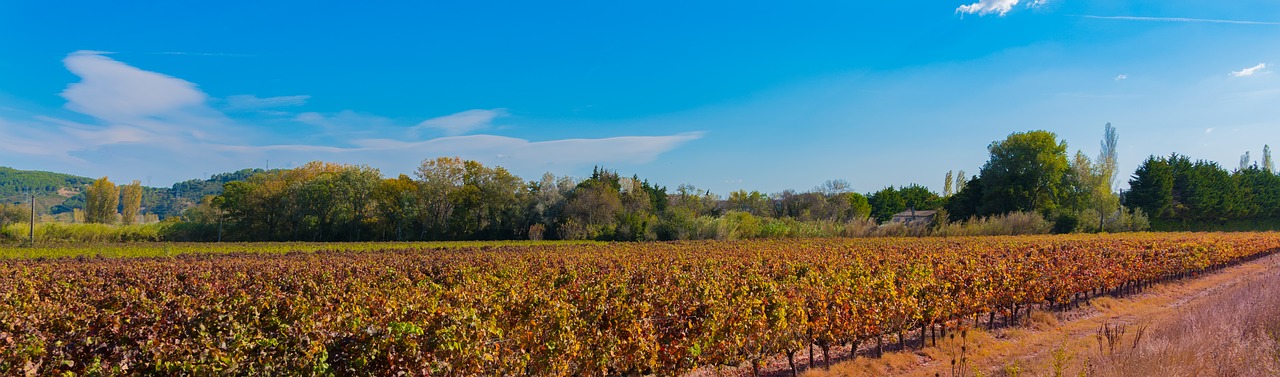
1183, 194
1028, 174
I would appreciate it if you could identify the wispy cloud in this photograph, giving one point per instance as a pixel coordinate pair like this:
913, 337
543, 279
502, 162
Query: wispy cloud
1208, 130
1180, 19
117, 92
1249, 71
223, 54
122, 96
135, 115
463, 122
1122, 77
252, 102
622, 149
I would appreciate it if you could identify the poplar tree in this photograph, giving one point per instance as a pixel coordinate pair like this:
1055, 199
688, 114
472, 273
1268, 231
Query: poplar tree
131, 194
947, 185
101, 200
1267, 165
1106, 163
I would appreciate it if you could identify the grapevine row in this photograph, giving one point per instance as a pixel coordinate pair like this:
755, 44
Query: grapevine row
586, 309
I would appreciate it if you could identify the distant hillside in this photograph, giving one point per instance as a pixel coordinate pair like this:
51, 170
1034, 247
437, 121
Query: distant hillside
58, 193
51, 189
171, 201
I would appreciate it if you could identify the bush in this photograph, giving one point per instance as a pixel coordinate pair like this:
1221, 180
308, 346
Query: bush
93, 233
999, 225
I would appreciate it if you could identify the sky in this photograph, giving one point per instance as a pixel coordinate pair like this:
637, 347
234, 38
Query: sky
722, 95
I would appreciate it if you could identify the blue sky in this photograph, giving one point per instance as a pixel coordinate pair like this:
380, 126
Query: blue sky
722, 95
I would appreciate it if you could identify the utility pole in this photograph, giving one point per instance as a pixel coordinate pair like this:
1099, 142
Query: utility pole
32, 230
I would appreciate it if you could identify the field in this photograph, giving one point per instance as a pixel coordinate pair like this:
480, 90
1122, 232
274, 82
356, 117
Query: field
548, 309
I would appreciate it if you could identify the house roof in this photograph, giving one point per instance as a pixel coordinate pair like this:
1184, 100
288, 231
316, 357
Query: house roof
908, 213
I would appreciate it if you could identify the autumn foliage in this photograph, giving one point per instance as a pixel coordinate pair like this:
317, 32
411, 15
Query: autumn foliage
494, 309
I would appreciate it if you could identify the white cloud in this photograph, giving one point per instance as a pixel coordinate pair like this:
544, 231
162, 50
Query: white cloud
1181, 19
623, 149
184, 53
252, 102
1208, 130
1122, 77
136, 115
463, 122
1249, 71
985, 7
117, 92
345, 120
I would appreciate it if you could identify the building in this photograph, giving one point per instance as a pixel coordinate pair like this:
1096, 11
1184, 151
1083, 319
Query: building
914, 217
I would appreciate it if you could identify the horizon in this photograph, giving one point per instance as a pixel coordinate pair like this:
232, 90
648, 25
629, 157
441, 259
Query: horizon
759, 97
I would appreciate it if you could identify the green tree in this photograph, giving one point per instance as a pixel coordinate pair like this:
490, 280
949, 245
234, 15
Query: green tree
637, 221
1025, 173
753, 202
1209, 193
966, 202
1107, 156
395, 198
1088, 190
593, 208
1151, 187
859, 206
920, 198
438, 180
886, 203
102, 198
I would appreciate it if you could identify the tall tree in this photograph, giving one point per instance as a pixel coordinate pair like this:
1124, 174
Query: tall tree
1267, 164
1151, 187
131, 199
886, 203
1245, 161
592, 210
960, 182
1106, 164
101, 200
947, 185
439, 180
966, 201
1025, 173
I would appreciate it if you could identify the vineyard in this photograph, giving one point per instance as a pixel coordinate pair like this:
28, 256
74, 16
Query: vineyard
548, 309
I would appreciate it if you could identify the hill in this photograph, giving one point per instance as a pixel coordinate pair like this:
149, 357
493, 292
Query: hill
51, 189
58, 193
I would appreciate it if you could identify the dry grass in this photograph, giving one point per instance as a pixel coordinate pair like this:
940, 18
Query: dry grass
1233, 334
1223, 324
1043, 321
956, 353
